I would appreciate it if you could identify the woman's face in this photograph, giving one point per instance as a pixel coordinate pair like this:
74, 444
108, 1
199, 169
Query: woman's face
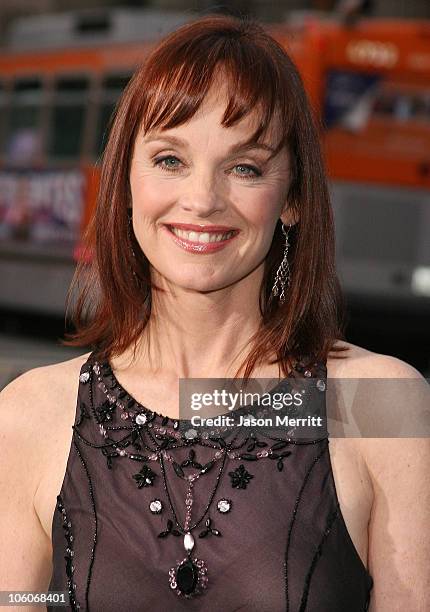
205, 209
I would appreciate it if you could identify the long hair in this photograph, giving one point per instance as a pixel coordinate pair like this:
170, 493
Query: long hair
114, 299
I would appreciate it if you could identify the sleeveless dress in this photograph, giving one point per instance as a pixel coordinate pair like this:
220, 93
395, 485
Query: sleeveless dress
153, 515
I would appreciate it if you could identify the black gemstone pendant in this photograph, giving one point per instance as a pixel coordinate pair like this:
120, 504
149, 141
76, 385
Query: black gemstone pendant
189, 577
186, 577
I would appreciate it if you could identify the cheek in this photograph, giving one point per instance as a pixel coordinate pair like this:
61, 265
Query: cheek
262, 208
149, 196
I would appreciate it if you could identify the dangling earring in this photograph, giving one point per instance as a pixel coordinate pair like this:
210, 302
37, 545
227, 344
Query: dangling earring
282, 280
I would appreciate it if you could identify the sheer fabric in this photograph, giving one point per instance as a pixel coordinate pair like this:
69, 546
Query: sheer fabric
274, 536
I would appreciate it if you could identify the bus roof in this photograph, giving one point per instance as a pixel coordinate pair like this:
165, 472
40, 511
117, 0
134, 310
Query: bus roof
92, 27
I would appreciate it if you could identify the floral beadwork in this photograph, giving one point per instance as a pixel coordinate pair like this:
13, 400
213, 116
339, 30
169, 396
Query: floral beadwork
240, 477
67, 526
145, 477
105, 412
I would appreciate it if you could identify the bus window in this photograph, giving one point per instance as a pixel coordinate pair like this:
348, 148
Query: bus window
346, 93
112, 87
402, 111
68, 116
385, 104
401, 106
23, 139
420, 106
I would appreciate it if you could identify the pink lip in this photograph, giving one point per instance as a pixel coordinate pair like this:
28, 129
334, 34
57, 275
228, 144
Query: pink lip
202, 228
199, 247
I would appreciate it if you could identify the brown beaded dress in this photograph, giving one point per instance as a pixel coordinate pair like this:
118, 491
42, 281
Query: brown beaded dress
265, 532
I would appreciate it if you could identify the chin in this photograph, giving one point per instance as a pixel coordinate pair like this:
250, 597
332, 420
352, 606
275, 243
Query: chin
199, 283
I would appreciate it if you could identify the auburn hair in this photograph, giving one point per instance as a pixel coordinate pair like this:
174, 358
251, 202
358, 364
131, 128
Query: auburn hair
113, 305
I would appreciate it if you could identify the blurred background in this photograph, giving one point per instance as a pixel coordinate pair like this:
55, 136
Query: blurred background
366, 67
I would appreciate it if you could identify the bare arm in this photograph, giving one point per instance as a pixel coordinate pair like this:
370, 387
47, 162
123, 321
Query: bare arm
399, 528
25, 550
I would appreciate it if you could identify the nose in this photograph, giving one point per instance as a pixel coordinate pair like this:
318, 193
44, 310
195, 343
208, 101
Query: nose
202, 195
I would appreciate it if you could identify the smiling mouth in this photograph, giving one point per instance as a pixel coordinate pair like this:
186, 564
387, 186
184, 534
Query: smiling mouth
202, 237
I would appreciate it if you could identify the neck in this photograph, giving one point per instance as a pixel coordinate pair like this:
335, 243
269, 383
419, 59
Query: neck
192, 334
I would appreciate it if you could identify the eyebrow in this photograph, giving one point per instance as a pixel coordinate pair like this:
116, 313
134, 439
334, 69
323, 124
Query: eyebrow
240, 146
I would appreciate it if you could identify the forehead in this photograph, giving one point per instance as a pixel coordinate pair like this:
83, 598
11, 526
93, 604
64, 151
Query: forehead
206, 127
223, 114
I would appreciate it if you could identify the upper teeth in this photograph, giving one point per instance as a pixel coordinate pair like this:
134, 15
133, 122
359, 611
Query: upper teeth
201, 236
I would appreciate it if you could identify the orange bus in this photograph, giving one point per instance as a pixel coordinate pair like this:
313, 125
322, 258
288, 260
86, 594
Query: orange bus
61, 75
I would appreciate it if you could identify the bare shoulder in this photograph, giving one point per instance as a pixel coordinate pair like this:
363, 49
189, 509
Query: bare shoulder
378, 404
40, 396
385, 418
360, 362
43, 382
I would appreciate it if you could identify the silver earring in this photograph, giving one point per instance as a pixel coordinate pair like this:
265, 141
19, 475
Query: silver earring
282, 280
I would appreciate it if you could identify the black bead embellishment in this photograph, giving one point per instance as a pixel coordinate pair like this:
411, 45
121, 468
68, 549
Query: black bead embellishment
330, 521
255, 442
280, 458
67, 526
169, 530
249, 457
109, 456
222, 443
207, 466
145, 477
178, 470
240, 477
209, 530
190, 462
104, 412
137, 457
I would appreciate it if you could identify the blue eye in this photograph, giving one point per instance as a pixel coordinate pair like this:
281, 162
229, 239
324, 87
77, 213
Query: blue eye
171, 163
255, 172
159, 162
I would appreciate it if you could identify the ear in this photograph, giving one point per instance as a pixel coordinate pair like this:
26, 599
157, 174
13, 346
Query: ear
289, 216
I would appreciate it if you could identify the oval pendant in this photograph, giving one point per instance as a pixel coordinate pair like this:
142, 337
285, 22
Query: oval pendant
189, 577
186, 577
188, 542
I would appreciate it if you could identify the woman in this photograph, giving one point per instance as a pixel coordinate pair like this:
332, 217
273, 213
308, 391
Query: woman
214, 258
